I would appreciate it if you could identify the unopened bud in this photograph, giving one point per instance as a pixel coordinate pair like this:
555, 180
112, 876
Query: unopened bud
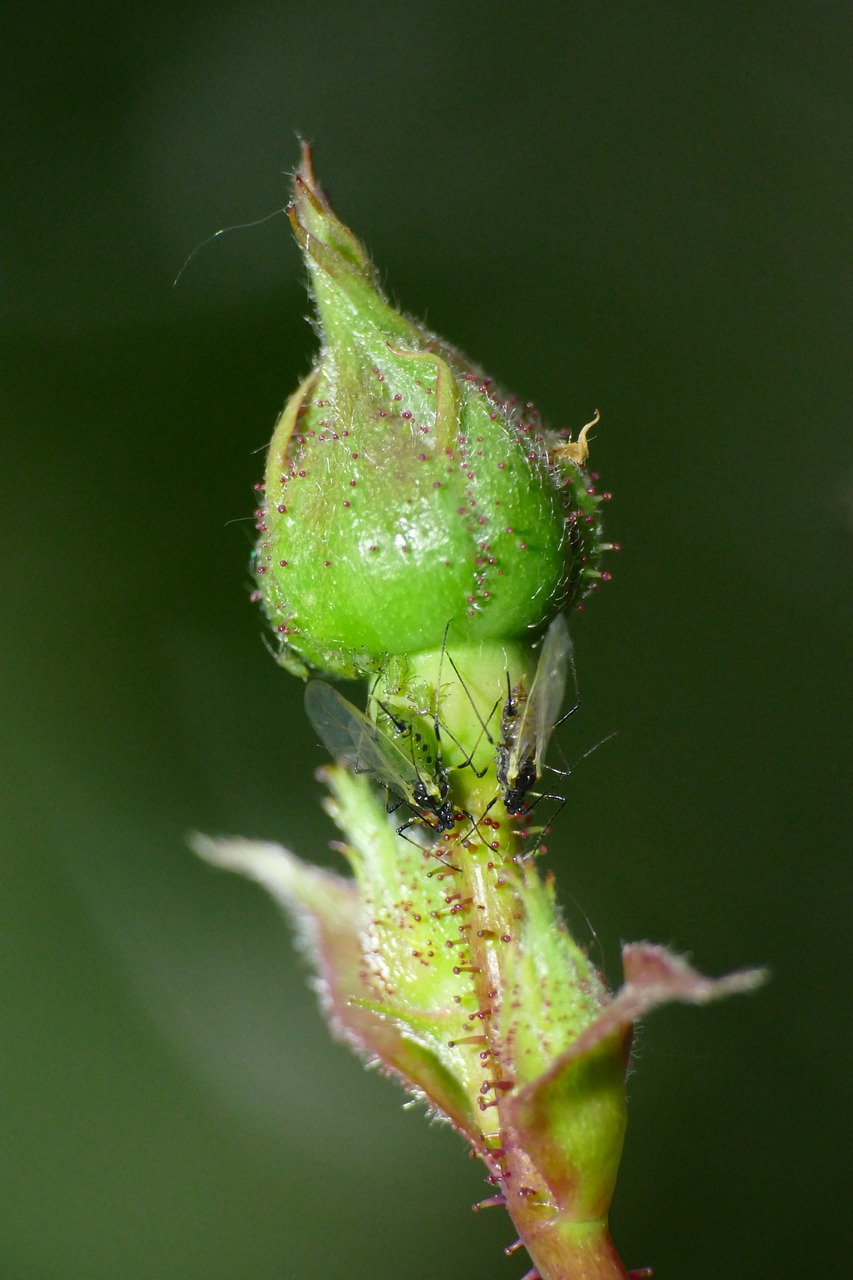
404, 492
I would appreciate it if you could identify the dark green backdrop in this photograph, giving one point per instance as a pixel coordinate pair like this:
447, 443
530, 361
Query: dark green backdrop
640, 207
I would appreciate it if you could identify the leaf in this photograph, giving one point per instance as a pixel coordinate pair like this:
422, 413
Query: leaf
571, 1119
331, 925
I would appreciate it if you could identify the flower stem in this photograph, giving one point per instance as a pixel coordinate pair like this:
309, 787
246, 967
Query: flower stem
460, 695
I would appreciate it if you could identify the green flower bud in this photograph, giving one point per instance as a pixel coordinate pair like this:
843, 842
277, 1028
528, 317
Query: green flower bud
403, 491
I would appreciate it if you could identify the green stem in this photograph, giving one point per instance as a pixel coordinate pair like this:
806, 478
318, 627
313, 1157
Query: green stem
559, 1245
459, 696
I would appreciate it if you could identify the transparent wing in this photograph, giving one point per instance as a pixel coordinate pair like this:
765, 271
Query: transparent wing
542, 709
356, 741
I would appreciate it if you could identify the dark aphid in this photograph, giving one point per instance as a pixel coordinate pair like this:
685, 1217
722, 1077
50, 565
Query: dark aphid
355, 741
529, 719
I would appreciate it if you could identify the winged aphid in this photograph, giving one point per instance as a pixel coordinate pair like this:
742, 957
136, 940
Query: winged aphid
529, 717
360, 744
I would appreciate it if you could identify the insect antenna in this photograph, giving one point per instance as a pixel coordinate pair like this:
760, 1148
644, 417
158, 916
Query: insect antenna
484, 730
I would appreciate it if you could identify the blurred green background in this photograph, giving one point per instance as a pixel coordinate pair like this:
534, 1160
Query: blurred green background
641, 207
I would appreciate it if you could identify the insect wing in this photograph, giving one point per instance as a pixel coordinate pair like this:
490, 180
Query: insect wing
542, 709
355, 741
550, 685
